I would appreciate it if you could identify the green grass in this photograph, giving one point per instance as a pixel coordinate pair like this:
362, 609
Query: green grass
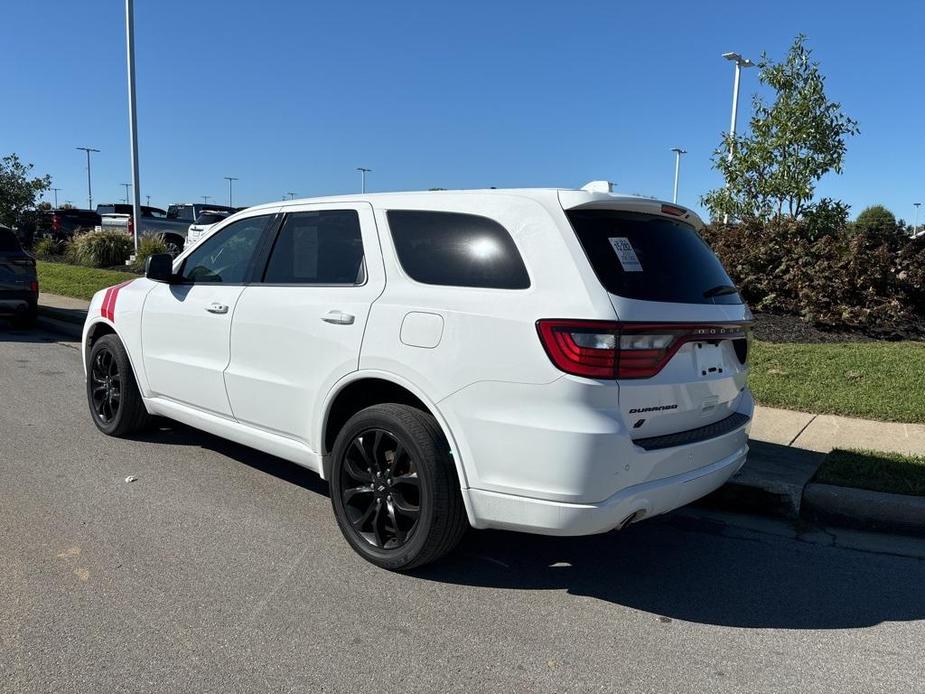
880, 472
76, 281
872, 380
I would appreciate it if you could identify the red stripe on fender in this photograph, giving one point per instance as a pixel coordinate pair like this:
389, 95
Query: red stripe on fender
104, 309
109, 301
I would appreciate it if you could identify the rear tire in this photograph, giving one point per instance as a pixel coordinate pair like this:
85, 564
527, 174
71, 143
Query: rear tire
112, 393
394, 488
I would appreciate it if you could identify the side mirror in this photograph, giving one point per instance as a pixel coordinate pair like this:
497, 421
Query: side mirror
159, 267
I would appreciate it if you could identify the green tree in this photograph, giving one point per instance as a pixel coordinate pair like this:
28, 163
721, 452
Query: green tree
792, 142
875, 219
17, 190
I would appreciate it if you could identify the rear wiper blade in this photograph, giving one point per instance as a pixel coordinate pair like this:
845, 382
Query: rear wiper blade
720, 291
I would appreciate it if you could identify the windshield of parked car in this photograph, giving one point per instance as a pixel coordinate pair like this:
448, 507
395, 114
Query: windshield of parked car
650, 257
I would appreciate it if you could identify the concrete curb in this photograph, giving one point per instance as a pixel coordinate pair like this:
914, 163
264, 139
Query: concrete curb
864, 509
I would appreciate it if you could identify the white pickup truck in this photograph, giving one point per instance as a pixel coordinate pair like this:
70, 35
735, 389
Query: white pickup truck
173, 224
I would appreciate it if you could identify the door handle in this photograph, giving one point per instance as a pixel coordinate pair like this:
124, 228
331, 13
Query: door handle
338, 318
216, 307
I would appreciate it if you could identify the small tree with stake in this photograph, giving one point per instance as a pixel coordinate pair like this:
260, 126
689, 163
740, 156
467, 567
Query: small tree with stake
792, 143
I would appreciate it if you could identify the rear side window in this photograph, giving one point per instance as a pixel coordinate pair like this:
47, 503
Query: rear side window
641, 256
459, 250
323, 247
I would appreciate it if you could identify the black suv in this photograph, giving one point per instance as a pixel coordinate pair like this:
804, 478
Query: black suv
19, 284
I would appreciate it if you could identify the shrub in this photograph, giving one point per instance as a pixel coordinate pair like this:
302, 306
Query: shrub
148, 245
104, 248
45, 248
847, 278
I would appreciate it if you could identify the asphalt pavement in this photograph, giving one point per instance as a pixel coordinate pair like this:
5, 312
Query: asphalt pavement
221, 569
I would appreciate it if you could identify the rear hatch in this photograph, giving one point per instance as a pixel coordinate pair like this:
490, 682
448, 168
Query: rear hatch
17, 268
682, 329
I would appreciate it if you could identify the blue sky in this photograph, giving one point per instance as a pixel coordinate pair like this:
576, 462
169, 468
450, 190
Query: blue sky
293, 96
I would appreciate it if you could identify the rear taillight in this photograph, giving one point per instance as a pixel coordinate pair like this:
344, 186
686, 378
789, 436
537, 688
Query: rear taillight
34, 287
612, 350
55, 223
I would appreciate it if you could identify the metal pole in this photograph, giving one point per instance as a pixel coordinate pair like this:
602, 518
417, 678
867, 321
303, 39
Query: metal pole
205, 199
127, 186
363, 173
56, 196
916, 222
148, 200
89, 187
677, 170
735, 108
230, 179
132, 117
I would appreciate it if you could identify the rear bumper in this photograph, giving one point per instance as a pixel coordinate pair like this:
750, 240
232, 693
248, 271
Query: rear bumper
510, 512
17, 305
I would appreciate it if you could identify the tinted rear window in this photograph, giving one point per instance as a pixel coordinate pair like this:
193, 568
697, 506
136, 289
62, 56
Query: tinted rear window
460, 250
640, 256
8, 241
209, 218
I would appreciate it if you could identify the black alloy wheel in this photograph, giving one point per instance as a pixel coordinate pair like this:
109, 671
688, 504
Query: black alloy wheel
105, 386
380, 489
115, 402
394, 487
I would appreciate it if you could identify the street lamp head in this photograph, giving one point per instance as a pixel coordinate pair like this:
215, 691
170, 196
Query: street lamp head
678, 150
738, 59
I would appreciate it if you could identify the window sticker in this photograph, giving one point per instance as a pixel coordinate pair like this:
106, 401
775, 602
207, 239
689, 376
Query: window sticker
625, 254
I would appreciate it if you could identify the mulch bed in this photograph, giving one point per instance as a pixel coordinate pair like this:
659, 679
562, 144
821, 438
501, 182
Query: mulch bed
771, 327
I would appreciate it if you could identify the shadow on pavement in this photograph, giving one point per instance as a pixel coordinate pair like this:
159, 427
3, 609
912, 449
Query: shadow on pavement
9, 333
673, 566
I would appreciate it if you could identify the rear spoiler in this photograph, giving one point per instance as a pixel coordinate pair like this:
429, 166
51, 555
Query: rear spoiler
581, 199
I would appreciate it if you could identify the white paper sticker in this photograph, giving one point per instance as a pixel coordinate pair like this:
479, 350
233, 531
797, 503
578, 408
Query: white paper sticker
625, 254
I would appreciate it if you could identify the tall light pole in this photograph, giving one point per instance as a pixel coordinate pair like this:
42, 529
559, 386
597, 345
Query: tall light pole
677, 170
914, 223
740, 62
291, 196
132, 117
56, 196
89, 187
148, 200
231, 180
363, 173
206, 198
127, 186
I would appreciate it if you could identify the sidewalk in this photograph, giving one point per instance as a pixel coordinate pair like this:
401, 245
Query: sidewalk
62, 314
823, 432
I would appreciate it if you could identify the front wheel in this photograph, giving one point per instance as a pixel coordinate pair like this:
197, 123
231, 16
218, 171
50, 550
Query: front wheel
394, 488
112, 393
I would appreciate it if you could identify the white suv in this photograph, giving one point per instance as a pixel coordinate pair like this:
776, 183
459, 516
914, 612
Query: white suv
552, 361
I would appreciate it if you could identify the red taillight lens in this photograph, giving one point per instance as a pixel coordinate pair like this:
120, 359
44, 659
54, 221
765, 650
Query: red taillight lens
612, 350
35, 286
55, 223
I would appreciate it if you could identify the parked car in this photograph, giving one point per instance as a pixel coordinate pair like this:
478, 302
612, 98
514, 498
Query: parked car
563, 362
205, 221
62, 224
154, 220
19, 285
189, 212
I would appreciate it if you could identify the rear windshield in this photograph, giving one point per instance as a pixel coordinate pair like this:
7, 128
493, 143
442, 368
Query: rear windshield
210, 218
641, 256
8, 241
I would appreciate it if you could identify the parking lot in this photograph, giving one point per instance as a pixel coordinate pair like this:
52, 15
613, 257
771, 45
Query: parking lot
222, 569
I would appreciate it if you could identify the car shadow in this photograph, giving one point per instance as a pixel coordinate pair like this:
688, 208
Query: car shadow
10, 333
676, 566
